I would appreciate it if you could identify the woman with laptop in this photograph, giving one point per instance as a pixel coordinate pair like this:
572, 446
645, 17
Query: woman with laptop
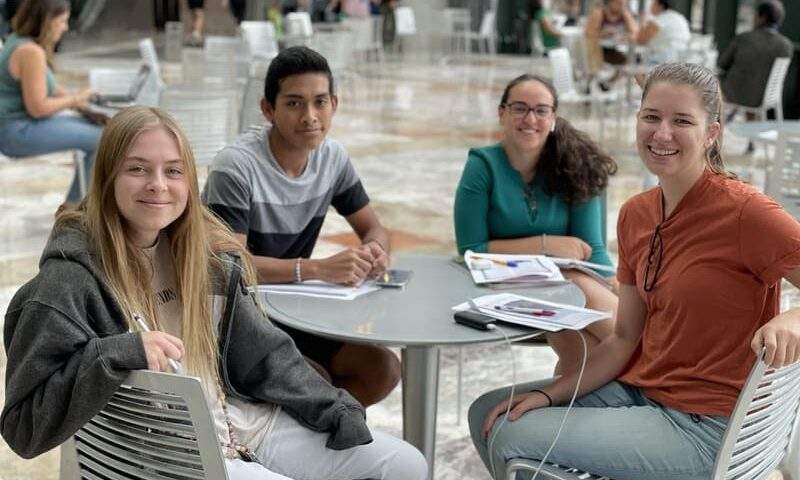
31, 103
701, 261
538, 192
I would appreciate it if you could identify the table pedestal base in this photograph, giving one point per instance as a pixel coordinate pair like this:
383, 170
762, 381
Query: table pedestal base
420, 390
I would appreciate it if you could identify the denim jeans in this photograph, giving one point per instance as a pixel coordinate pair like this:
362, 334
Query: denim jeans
26, 137
293, 451
614, 431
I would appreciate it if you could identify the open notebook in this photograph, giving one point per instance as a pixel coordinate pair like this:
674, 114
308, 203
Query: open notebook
488, 268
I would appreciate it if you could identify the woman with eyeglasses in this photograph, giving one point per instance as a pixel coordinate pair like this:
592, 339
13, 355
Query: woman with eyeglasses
702, 257
538, 192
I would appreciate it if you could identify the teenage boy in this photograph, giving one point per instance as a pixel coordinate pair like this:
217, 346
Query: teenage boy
274, 186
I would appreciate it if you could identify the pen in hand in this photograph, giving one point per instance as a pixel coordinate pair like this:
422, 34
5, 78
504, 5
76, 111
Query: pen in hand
175, 365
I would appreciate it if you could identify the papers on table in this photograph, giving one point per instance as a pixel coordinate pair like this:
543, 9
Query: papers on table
517, 269
531, 312
317, 288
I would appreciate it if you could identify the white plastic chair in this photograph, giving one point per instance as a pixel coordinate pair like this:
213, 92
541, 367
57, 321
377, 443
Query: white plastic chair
405, 23
250, 115
783, 179
147, 50
225, 60
757, 437
485, 36
156, 426
456, 26
208, 117
773, 91
297, 29
366, 36
259, 37
564, 83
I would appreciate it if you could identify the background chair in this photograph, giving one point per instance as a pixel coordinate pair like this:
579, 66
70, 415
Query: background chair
755, 441
773, 92
157, 426
259, 37
485, 36
782, 181
564, 83
208, 117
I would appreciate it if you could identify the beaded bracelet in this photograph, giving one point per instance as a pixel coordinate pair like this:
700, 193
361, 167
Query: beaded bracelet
297, 277
544, 244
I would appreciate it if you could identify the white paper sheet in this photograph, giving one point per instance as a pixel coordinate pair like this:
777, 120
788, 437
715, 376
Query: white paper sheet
317, 288
565, 316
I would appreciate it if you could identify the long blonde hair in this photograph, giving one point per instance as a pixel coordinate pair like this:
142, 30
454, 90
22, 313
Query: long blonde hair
196, 239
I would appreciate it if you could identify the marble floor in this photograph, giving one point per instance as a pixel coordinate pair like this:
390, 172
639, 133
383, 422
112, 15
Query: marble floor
408, 124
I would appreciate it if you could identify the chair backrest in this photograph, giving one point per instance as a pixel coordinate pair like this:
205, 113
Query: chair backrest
783, 181
561, 65
208, 117
147, 50
405, 23
250, 114
156, 426
487, 24
298, 24
337, 47
456, 20
260, 39
773, 92
760, 428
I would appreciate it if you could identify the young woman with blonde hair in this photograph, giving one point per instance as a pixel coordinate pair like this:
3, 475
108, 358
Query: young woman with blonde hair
142, 245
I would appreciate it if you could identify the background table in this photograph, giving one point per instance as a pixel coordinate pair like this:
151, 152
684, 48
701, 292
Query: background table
418, 318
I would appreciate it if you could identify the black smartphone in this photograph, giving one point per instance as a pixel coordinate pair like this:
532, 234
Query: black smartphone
474, 319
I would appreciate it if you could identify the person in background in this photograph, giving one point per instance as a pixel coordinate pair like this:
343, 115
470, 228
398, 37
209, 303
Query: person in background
745, 65
30, 99
609, 25
198, 22
665, 34
549, 33
656, 396
538, 192
141, 274
166, 11
238, 9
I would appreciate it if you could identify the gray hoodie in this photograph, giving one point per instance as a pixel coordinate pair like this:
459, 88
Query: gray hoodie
69, 349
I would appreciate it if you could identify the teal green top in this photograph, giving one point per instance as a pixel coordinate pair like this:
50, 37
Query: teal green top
12, 106
549, 41
492, 203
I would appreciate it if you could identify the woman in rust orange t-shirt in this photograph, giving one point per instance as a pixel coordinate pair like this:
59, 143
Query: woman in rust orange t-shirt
701, 258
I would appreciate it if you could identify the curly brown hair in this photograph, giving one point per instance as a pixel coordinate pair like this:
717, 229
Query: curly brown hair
573, 165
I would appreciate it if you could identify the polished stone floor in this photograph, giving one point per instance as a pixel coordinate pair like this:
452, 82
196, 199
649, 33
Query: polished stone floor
408, 124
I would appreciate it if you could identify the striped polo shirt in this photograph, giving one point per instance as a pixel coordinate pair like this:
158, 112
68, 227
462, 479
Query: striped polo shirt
280, 215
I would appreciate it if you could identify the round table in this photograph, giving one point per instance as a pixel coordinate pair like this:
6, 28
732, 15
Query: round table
418, 318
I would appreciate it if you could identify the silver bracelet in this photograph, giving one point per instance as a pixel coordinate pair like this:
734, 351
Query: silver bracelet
297, 277
544, 244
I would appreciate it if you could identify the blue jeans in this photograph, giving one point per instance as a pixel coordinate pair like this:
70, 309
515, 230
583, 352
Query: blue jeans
614, 431
26, 137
